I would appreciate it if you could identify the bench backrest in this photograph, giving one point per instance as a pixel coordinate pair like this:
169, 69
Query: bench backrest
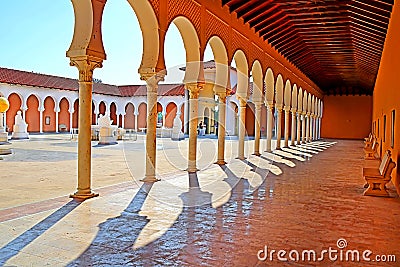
375, 145
370, 137
384, 163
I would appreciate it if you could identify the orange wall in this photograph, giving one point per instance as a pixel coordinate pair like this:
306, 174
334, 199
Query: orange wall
171, 113
15, 105
129, 117
49, 112
32, 114
142, 117
250, 119
63, 116
387, 92
347, 117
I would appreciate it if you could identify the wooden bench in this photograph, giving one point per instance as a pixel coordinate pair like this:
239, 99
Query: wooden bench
378, 178
372, 152
369, 138
62, 128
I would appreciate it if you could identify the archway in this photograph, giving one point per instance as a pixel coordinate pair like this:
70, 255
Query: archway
32, 114
75, 115
142, 122
63, 116
129, 116
250, 119
170, 116
49, 116
15, 104
113, 113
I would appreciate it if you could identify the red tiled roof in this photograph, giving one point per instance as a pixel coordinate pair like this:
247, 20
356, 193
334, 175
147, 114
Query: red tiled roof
163, 90
11, 76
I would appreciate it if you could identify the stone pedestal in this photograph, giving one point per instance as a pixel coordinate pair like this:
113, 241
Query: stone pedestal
20, 128
107, 133
3, 138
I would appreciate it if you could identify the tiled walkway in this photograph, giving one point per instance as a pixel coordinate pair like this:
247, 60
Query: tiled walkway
296, 199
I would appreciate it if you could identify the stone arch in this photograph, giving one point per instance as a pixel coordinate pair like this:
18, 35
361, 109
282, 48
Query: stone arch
49, 116
242, 74
33, 114
171, 111
279, 91
294, 97
221, 63
102, 108
94, 119
300, 100
257, 74
232, 126
250, 119
15, 101
191, 42
113, 113
269, 86
129, 122
309, 102
287, 94
305, 101
75, 115
142, 121
63, 116
150, 35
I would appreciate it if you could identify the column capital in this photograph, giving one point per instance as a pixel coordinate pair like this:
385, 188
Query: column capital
257, 105
152, 79
85, 66
286, 108
194, 88
269, 104
293, 110
242, 102
222, 96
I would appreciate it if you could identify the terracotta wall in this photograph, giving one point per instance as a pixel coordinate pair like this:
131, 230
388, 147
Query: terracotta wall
129, 117
63, 116
387, 93
346, 117
15, 105
170, 116
32, 114
49, 116
250, 119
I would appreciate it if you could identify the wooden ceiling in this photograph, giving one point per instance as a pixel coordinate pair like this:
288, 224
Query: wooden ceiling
337, 43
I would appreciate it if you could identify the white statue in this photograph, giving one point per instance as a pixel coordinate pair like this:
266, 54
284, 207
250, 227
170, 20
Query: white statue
104, 121
177, 129
20, 129
108, 132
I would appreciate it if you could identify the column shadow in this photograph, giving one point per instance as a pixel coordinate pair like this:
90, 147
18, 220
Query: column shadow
15, 246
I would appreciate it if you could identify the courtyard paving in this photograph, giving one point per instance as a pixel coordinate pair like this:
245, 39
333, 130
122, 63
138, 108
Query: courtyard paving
297, 199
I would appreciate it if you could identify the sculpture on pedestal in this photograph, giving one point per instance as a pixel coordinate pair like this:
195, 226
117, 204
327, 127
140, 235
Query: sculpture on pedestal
20, 129
107, 132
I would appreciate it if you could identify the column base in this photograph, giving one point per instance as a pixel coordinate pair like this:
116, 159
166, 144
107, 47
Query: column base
192, 170
220, 162
257, 154
150, 179
241, 157
83, 196
268, 150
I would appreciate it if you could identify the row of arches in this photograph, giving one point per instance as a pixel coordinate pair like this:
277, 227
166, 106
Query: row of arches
51, 114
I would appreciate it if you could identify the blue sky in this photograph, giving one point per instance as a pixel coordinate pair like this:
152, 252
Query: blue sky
35, 35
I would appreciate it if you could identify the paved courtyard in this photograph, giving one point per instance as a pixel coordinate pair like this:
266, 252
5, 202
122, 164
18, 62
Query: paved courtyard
296, 199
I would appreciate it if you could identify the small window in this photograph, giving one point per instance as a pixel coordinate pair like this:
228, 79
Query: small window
392, 124
384, 128
378, 129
